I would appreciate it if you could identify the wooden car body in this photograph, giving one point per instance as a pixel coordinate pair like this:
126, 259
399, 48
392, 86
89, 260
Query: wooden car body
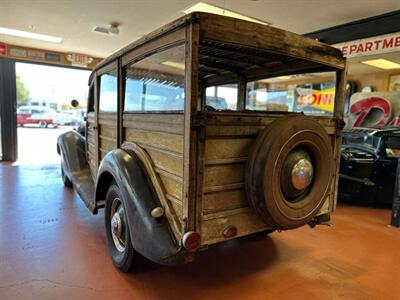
195, 157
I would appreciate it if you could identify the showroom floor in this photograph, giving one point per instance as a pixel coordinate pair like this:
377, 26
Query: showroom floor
51, 247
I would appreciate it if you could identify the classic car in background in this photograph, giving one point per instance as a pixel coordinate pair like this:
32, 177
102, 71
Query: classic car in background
45, 116
176, 171
41, 115
368, 165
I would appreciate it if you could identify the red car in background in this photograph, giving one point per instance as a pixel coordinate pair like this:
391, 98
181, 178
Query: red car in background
43, 116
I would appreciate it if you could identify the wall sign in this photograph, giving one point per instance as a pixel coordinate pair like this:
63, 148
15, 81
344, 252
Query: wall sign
17, 52
46, 56
375, 45
3, 50
36, 54
394, 83
374, 109
52, 56
77, 59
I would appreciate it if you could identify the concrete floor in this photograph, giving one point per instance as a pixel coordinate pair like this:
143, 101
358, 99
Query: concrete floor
37, 145
51, 247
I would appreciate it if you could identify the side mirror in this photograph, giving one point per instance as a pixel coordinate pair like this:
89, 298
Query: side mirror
74, 103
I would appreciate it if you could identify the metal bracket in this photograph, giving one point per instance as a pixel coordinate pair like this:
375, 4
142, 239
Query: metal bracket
340, 123
199, 122
324, 219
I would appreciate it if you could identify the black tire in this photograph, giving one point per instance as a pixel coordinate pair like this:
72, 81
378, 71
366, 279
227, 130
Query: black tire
124, 258
67, 182
43, 124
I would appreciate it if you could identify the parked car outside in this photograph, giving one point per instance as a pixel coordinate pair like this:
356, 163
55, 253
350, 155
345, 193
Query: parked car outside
217, 103
72, 117
40, 115
368, 165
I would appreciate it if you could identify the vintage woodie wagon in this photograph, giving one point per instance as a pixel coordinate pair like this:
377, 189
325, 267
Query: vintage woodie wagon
194, 137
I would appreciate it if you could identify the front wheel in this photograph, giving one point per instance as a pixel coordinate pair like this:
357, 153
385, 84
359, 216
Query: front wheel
117, 231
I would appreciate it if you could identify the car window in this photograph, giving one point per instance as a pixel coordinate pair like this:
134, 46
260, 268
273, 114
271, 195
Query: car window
222, 97
108, 97
293, 93
393, 142
360, 138
156, 83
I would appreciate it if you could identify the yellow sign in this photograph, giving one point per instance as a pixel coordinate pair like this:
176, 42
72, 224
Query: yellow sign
323, 100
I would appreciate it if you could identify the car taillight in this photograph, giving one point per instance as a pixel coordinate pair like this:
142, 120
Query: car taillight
191, 241
230, 231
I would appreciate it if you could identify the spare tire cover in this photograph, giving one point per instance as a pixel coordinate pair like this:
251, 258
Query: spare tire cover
289, 171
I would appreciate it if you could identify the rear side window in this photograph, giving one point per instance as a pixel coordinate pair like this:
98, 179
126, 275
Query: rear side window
108, 92
156, 83
311, 93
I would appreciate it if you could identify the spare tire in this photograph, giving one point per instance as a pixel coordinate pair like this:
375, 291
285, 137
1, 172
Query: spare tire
289, 171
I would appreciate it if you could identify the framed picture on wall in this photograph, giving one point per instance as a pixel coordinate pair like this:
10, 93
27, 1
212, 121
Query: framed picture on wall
394, 83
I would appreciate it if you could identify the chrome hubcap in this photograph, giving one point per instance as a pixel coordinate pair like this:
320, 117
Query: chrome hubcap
302, 174
297, 174
118, 224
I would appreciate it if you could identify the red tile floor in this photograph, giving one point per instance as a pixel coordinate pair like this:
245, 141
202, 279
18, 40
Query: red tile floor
51, 247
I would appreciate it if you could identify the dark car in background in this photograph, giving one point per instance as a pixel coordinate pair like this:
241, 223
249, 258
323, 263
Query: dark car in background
368, 165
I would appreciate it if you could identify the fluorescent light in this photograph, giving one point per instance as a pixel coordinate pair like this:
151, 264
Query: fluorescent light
174, 64
283, 77
382, 64
208, 8
30, 35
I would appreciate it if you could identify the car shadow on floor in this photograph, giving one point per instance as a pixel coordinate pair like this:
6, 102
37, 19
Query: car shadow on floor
218, 266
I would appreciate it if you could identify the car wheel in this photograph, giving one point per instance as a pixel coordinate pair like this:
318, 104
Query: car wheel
55, 125
67, 182
117, 230
43, 124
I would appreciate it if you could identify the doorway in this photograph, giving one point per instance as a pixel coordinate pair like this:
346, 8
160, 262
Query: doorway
44, 110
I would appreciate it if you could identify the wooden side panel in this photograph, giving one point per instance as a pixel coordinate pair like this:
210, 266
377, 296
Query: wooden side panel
91, 143
244, 219
228, 141
161, 136
107, 129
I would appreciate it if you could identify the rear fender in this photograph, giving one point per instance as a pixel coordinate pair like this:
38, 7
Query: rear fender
151, 239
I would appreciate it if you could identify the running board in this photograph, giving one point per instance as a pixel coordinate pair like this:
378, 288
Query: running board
84, 186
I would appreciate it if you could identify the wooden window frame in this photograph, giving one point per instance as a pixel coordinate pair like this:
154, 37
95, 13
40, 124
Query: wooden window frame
136, 56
